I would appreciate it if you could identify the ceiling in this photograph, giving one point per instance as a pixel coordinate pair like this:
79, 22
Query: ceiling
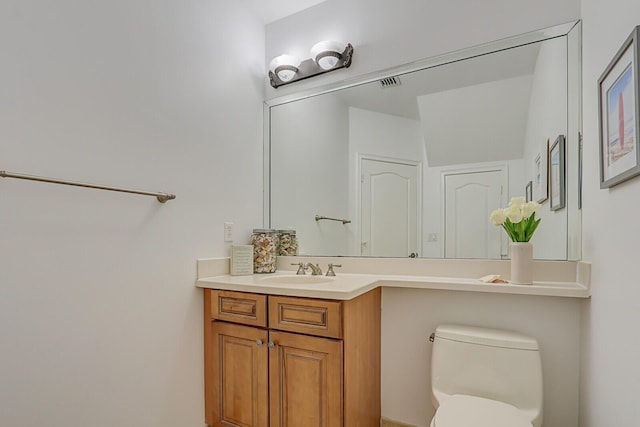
272, 10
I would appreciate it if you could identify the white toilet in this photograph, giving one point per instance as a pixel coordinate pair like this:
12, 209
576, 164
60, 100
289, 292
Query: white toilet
485, 378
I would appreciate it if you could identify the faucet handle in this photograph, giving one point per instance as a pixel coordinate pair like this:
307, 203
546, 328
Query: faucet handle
301, 268
330, 271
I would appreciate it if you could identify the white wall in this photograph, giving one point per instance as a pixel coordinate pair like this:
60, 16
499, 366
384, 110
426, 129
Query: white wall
610, 383
390, 33
100, 321
383, 135
312, 144
548, 119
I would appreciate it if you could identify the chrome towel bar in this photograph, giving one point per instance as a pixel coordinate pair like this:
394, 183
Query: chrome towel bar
162, 197
344, 221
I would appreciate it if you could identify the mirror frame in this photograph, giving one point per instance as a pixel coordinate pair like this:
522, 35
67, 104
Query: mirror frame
574, 124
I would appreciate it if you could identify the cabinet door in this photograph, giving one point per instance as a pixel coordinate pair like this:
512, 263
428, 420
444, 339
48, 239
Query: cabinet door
239, 377
305, 387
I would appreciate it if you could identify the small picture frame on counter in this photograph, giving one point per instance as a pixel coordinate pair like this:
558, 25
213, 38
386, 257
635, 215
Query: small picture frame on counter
241, 263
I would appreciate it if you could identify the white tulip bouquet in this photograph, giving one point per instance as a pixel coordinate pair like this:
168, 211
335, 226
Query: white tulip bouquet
518, 219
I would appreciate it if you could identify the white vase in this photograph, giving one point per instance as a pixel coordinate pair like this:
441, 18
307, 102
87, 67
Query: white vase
521, 263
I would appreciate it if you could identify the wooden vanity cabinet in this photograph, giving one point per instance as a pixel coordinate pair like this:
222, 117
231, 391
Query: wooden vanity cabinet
291, 361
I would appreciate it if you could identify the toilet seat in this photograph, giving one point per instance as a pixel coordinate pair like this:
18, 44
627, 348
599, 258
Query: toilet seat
472, 411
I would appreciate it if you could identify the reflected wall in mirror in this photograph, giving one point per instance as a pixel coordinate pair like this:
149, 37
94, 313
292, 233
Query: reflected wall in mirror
418, 158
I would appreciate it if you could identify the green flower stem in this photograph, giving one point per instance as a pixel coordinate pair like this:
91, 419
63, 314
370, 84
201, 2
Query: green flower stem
521, 231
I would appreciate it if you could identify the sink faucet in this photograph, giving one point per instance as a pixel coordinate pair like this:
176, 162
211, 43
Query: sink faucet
315, 269
301, 268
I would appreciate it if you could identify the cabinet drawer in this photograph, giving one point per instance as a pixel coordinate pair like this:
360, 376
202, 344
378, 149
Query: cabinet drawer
239, 307
307, 316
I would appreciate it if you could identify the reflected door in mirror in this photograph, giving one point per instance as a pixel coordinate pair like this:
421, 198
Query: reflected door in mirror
469, 200
389, 208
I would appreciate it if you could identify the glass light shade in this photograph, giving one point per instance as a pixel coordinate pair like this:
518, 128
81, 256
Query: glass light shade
284, 66
327, 53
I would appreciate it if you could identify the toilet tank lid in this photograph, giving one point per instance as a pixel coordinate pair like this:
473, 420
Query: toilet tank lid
488, 337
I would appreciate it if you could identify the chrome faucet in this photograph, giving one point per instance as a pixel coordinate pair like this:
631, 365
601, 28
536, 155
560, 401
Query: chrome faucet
315, 269
301, 268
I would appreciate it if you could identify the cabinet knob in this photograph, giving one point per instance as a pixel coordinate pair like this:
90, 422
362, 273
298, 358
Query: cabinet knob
258, 343
271, 344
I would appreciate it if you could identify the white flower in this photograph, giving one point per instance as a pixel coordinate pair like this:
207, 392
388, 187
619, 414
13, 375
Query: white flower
498, 216
529, 208
514, 213
517, 202
522, 222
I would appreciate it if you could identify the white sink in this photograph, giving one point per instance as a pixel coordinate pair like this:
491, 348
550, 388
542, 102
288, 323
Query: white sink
296, 280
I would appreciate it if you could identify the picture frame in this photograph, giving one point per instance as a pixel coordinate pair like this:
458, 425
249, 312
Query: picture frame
528, 191
541, 174
557, 174
619, 108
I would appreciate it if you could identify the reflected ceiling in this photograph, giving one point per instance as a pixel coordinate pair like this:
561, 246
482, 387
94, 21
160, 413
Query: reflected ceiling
470, 105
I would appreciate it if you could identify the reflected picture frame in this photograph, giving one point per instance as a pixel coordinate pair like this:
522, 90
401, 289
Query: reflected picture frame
618, 115
557, 174
541, 174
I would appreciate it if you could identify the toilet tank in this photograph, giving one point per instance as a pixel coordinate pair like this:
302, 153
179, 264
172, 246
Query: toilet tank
491, 363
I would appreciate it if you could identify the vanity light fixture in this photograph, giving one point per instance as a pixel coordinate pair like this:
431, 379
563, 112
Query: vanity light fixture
327, 53
284, 66
326, 56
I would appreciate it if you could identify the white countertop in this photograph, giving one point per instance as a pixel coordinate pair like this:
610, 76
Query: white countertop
345, 286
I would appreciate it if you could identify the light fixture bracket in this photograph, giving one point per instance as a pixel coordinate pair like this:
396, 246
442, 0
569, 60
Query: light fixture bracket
309, 67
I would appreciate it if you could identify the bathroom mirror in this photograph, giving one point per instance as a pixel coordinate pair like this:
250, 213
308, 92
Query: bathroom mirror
412, 160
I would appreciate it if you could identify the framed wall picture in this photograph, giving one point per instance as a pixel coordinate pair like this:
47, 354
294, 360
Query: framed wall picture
528, 191
541, 174
618, 115
557, 174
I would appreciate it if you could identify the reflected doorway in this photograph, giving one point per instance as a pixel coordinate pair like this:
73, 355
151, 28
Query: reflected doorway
469, 198
389, 207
